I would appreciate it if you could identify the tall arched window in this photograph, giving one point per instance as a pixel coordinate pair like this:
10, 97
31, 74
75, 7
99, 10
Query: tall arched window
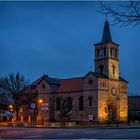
116, 53
113, 67
81, 103
69, 103
101, 69
90, 100
97, 52
58, 104
104, 51
111, 51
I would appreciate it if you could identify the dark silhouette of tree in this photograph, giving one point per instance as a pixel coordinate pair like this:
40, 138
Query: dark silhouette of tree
110, 110
123, 13
65, 112
11, 87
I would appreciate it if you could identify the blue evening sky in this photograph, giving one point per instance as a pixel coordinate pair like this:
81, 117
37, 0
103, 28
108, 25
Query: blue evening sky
56, 38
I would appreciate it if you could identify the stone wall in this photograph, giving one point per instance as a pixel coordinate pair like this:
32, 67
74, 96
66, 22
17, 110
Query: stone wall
119, 98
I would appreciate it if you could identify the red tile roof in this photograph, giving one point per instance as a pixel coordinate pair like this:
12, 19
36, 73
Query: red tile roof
69, 85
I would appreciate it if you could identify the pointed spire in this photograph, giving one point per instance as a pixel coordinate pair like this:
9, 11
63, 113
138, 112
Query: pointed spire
106, 33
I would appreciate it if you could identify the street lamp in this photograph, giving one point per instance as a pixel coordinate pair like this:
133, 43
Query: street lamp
11, 109
40, 101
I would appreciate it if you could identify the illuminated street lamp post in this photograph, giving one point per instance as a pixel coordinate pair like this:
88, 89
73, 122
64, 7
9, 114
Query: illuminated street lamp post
32, 113
11, 110
41, 102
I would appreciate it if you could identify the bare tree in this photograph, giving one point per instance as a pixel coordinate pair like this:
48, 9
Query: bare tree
110, 110
11, 86
123, 13
65, 112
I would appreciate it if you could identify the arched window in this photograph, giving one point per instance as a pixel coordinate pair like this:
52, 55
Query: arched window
81, 103
104, 51
97, 52
111, 51
90, 100
69, 103
113, 70
101, 69
116, 53
58, 104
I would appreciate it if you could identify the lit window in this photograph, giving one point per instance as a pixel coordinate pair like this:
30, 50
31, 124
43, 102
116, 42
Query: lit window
113, 70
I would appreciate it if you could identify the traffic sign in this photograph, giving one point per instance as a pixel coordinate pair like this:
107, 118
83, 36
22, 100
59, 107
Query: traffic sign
44, 104
44, 108
32, 105
90, 117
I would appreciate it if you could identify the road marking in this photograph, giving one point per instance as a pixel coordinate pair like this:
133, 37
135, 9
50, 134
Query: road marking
125, 134
65, 134
35, 136
87, 139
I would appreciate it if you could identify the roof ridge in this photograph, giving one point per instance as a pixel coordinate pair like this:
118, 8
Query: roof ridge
72, 78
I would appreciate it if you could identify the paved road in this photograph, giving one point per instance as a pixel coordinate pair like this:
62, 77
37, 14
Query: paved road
84, 133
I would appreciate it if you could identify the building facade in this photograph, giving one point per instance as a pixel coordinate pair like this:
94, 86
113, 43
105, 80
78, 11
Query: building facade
134, 108
88, 96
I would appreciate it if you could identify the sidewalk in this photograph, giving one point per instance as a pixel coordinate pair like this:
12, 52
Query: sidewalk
100, 126
120, 126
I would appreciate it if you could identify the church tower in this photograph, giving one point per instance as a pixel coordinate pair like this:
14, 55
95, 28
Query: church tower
106, 55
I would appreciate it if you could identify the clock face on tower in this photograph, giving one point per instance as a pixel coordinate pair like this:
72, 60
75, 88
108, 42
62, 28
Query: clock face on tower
113, 91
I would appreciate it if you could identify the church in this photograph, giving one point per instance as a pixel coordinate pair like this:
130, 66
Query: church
89, 96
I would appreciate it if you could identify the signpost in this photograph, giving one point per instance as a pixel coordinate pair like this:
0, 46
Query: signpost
90, 117
32, 112
44, 106
33, 105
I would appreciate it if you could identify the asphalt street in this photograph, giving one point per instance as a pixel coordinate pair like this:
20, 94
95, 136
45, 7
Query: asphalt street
83, 133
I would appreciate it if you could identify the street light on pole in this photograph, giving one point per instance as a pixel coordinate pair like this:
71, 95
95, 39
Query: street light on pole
11, 110
40, 101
